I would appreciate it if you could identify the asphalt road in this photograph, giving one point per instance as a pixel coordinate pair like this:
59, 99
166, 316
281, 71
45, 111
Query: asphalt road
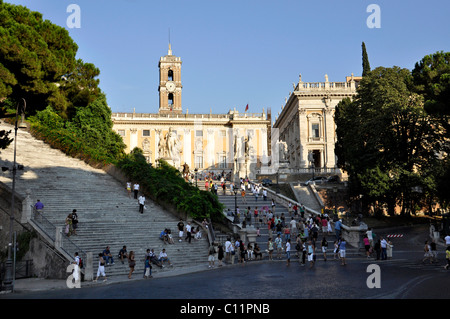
243, 289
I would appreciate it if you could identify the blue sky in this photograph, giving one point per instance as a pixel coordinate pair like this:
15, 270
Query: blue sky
236, 53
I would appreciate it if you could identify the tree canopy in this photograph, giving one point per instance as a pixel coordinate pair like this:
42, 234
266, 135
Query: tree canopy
387, 141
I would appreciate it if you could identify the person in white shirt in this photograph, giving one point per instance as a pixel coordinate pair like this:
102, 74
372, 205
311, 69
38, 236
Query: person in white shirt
447, 240
136, 190
288, 251
141, 201
228, 248
188, 232
163, 257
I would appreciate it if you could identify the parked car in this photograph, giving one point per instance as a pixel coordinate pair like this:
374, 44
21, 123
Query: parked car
317, 180
333, 179
266, 182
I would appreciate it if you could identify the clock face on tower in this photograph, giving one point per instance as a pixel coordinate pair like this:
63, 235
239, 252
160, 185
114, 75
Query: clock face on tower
170, 86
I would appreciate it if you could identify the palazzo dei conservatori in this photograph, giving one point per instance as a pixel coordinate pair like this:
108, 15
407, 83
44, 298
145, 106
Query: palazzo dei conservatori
235, 143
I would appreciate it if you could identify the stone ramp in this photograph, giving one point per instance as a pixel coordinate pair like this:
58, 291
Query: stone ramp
108, 217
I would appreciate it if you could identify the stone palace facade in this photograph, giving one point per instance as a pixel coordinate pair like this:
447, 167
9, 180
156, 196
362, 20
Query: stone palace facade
305, 129
232, 142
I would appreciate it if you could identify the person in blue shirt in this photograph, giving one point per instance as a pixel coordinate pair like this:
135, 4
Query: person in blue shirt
164, 236
342, 245
337, 228
39, 206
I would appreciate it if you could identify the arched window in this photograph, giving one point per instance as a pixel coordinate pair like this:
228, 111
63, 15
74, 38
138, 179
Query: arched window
170, 99
170, 75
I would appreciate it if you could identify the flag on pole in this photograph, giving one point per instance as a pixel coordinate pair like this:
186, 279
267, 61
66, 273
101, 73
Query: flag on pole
246, 108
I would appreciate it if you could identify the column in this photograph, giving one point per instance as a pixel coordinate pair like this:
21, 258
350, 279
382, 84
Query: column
303, 136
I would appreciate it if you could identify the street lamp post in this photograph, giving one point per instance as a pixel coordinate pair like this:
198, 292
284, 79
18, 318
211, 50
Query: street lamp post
235, 219
9, 275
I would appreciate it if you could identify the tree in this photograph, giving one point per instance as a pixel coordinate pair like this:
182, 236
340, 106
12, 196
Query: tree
385, 137
365, 60
431, 77
34, 55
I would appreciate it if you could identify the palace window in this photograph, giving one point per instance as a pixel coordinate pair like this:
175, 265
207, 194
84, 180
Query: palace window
222, 161
315, 131
198, 161
199, 133
121, 132
145, 132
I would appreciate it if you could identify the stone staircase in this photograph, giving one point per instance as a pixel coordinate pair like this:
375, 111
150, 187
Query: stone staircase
107, 216
305, 196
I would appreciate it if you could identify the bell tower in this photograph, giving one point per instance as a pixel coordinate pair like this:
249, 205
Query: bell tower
170, 84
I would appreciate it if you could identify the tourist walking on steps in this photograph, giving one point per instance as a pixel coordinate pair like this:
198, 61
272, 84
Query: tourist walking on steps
180, 226
136, 190
68, 230
188, 232
74, 221
39, 206
141, 201
131, 263
101, 267
129, 189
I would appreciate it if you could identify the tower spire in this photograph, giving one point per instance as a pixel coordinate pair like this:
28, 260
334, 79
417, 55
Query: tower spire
170, 46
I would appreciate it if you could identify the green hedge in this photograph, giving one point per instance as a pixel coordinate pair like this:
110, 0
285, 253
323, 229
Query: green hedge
165, 183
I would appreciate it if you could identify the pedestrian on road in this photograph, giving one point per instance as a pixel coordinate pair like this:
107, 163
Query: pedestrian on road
324, 248
342, 252
220, 254
427, 252
310, 253
389, 247
211, 256
228, 250
279, 245
447, 256
383, 244
101, 267
377, 248
136, 190
288, 251
270, 248
367, 245
303, 244
131, 263
433, 251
